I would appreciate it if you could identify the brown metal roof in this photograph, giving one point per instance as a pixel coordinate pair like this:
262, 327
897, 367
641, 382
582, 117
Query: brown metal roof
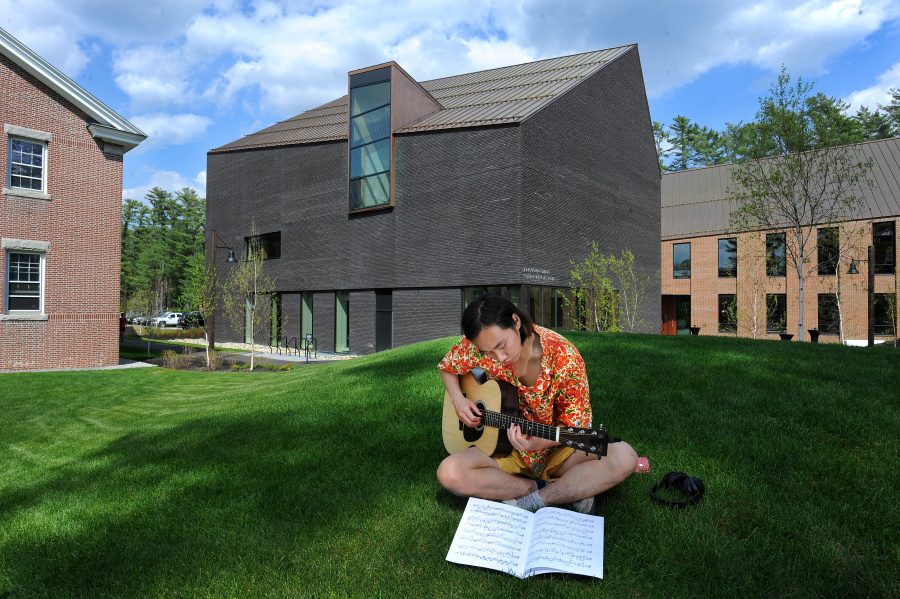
696, 202
496, 96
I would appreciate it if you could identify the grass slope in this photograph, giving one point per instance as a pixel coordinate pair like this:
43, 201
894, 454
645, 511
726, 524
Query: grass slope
320, 482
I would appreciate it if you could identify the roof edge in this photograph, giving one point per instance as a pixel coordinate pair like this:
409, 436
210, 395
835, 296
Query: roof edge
23, 56
625, 50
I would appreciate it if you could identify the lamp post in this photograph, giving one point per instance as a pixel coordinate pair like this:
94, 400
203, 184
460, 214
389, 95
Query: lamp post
853, 271
214, 244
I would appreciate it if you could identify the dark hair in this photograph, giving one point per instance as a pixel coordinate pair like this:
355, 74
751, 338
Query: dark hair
488, 310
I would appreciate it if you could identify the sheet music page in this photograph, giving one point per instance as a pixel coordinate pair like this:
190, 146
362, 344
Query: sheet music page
566, 541
492, 535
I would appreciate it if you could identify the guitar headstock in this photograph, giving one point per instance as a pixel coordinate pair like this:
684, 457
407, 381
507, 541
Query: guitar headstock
588, 440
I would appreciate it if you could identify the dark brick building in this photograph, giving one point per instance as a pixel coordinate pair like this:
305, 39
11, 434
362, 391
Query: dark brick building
60, 217
386, 210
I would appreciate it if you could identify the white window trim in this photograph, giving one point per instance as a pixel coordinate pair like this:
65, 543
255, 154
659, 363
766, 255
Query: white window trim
24, 246
34, 136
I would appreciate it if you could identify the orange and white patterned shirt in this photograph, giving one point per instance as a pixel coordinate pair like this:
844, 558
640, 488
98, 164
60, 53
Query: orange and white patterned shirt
560, 396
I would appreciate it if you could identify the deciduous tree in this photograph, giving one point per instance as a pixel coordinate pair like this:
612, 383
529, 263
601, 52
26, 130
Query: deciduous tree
810, 183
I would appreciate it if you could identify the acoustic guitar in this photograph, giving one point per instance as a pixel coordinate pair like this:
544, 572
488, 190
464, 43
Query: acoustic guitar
498, 402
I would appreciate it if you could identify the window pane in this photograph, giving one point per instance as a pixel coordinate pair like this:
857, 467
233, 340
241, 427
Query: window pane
728, 257
370, 126
26, 160
24, 288
829, 321
682, 260
727, 313
24, 303
776, 263
883, 240
24, 284
370, 191
776, 312
370, 159
885, 308
828, 250
363, 99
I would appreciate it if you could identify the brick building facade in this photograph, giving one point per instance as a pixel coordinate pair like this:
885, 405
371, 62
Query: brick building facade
395, 205
60, 217
740, 283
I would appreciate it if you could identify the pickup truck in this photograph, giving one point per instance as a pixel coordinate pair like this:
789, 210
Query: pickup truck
169, 319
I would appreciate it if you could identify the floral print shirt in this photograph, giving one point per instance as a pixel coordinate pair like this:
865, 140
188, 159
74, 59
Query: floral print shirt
560, 397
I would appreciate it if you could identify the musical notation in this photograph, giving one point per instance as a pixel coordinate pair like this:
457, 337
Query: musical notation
501, 537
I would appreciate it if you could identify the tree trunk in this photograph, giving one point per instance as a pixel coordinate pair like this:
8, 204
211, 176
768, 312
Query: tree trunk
800, 310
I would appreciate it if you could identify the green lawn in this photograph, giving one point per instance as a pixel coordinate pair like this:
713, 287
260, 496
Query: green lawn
320, 482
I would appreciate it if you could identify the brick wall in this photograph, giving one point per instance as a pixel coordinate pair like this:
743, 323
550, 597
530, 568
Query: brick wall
751, 285
82, 224
362, 322
426, 314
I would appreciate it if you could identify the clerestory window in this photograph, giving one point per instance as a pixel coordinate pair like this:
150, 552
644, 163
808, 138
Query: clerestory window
370, 139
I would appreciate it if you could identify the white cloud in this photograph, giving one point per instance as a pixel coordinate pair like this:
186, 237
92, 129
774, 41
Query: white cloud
169, 129
171, 181
680, 41
879, 93
152, 76
287, 56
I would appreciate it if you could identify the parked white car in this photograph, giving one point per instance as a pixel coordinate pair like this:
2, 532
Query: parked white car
169, 319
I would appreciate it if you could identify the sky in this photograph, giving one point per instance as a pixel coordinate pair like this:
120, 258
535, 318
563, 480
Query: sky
197, 74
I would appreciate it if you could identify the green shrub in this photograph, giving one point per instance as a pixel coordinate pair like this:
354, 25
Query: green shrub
176, 333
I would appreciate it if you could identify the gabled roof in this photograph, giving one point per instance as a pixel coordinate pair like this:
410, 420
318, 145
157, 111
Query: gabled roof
110, 126
696, 202
493, 97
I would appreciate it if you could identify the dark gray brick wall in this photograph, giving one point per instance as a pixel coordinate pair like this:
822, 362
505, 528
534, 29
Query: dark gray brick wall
323, 320
421, 314
291, 314
591, 174
362, 322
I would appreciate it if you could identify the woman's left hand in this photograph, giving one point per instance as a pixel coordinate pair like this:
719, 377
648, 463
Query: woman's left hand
524, 442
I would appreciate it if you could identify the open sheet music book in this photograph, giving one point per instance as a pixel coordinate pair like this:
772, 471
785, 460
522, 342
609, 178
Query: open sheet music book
503, 537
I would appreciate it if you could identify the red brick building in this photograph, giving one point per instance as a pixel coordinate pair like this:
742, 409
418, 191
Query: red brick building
744, 284
60, 217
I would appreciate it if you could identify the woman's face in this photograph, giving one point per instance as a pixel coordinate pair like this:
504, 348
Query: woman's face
502, 345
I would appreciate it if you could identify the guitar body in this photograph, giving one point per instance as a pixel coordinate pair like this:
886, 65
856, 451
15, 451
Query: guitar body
497, 396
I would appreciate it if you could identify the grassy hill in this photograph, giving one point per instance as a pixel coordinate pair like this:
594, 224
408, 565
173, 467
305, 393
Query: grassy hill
320, 482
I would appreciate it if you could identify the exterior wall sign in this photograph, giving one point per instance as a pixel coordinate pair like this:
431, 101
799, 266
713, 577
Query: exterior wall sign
538, 274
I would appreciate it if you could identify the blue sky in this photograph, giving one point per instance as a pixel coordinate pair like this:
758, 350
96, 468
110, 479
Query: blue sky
196, 74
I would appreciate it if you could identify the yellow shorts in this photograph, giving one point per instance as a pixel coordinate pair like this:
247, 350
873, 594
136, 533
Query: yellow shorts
514, 464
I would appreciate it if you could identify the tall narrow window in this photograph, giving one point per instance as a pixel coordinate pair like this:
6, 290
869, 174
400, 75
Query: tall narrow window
276, 317
306, 314
727, 313
827, 241
829, 317
342, 322
370, 139
776, 312
776, 257
885, 248
728, 257
885, 309
24, 281
681, 258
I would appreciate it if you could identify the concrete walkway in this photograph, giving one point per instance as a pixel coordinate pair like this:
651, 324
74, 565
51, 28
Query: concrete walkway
244, 356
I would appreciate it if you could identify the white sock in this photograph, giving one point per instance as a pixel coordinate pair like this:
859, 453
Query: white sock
531, 502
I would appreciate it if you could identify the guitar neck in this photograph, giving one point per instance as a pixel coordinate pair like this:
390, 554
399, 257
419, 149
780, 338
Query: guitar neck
528, 427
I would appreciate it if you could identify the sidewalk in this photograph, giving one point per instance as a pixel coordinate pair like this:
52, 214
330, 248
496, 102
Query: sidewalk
262, 352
